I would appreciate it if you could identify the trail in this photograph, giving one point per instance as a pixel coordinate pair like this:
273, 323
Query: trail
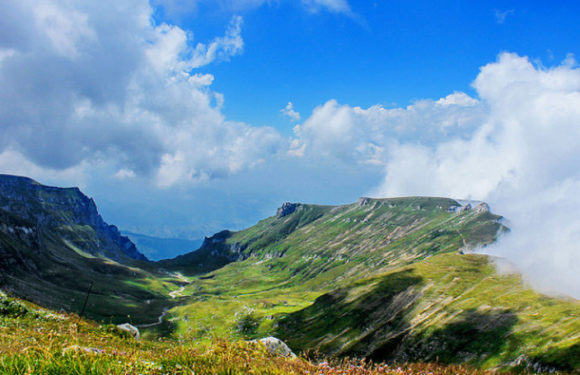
173, 295
177, 293
158, 322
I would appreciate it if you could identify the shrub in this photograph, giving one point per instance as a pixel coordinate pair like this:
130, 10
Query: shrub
12, 308
247, 323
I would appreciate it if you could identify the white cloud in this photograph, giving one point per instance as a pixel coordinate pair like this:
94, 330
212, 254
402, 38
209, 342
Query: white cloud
290, 112
335, 6
221, 49
359, 135
98, 84
501, 15
457, 98
67, 29
175, 8
13, 162
523, 159
123, 174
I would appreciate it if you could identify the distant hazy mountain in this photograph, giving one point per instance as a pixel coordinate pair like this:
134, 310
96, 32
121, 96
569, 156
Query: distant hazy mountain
157, 248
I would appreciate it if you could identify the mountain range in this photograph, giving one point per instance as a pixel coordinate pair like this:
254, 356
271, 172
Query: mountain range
398, 279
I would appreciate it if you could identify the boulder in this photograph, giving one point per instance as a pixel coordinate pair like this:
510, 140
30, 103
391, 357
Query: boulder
275, 346
126, 327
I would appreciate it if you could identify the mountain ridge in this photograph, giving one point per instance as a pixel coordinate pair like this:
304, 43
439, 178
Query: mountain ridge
386, 279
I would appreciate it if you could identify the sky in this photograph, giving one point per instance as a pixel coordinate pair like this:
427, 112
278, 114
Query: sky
182, 118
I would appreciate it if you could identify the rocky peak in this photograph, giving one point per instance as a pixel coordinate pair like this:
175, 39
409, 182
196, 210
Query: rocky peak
363, 201
217, 238
286, 209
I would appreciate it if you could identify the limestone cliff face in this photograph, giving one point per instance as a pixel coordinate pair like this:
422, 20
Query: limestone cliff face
63, 210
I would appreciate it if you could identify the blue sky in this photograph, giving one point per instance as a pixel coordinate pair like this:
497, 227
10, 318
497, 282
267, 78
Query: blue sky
182, 118
392, 52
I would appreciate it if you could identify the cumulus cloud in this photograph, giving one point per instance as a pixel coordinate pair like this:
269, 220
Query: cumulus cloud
290, 112
99, 84
359, 135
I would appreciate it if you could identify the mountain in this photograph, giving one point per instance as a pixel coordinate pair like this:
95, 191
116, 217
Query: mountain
157, 248
54, 245
385, 279
309, 241
64, 210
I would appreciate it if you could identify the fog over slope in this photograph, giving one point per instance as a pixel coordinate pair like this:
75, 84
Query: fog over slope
523, 158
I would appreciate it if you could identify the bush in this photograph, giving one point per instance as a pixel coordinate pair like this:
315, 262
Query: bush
247, 323
12, 308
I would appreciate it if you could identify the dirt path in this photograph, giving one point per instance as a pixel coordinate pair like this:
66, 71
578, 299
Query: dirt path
177, 293
174, 294
158, 322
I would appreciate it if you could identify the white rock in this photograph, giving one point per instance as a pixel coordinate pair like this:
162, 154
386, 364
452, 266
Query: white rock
134, 331
276, 346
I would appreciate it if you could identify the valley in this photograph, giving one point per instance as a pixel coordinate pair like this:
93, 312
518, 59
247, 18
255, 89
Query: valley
389, 280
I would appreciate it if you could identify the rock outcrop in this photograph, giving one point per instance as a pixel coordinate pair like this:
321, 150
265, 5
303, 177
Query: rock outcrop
286, 209
131, 329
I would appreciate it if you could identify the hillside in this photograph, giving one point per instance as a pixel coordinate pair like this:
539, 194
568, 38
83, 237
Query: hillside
37, 341
387, 279
383, 279
54, 245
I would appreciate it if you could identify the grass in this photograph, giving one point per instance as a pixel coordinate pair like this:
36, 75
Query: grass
451, 308
41, 342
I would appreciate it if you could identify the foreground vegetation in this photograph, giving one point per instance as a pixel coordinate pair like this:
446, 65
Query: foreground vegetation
37, 341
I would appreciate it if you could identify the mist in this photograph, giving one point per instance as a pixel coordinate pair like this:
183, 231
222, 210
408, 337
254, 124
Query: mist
523, 159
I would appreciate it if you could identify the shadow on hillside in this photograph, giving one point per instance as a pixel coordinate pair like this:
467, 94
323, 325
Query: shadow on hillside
470, 337
561, 359
373, 321
352, 312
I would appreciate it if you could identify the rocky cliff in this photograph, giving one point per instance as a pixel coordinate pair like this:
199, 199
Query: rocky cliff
46, 208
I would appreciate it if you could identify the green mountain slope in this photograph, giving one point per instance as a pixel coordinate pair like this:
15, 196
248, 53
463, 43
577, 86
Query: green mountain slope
54, 244
385, 279
451, 308
305, 242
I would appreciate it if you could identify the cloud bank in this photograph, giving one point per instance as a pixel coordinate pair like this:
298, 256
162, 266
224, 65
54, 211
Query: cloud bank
101, 83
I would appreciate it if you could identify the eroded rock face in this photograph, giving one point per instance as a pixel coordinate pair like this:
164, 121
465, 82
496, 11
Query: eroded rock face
54, 208
276, 346
363, 201
286, 209
482, 207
